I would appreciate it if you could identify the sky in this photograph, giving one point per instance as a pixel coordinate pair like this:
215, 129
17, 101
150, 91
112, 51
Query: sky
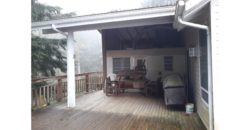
84, 7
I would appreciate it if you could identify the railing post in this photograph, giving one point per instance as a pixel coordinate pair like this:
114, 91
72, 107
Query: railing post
36, 99
59, 88
102, 82
87, 82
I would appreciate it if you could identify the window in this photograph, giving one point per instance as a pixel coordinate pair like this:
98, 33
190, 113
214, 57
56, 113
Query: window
168, 63
120, 64
203, 65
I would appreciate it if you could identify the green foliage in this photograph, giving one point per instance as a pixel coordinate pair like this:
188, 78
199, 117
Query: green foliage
41, 12
47, 55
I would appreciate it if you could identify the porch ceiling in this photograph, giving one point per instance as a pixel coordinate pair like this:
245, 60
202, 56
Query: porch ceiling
146, 32
120, 19
144, 37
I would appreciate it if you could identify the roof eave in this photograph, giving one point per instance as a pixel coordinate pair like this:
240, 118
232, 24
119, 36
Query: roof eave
189, 14
148, 16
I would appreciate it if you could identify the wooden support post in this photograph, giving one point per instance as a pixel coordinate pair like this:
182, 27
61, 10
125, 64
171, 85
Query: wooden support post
59, 88
104, 58
87, 82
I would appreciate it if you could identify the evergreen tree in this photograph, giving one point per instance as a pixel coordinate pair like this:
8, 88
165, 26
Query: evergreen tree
42, 12
47, 53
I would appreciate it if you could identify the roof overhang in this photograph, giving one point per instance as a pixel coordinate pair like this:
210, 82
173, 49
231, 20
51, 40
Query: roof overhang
191, 10
129, 18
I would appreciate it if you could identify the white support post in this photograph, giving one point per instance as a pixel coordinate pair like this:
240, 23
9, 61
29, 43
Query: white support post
70, 70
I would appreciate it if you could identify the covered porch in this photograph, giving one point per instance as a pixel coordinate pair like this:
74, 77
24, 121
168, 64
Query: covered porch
128, 111
123, 37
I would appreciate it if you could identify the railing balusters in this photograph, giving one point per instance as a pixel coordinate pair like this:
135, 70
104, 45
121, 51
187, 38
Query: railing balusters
35, 99
54, 92
54, 87
44, 97
82, 85
32, 98
75, 86
59, 90
39, 98
79, 83
87, 83
78, 86
82, 82
50, 93
47, 88
65, 89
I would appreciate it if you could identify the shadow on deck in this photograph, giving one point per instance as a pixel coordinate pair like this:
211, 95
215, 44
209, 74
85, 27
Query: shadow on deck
128, 111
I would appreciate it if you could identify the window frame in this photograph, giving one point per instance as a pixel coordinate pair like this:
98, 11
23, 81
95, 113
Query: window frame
170, 63
122, 65
202, 41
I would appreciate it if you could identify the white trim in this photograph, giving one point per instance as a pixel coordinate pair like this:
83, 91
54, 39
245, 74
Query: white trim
204, 89
204, 102
139, 17
71, 98
201, 87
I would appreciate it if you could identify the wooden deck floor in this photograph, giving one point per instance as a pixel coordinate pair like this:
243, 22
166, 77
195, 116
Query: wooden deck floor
129, 111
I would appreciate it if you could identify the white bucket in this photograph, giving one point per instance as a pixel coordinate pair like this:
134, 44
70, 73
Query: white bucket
189, 108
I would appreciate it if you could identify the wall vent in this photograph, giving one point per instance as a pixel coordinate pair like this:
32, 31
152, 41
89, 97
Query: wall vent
194, 52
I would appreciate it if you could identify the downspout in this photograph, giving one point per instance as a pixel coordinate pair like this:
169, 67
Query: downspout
59, 31
179, 11
55, 29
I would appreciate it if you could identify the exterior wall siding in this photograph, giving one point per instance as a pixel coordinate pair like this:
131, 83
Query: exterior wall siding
191, 39
154, 60
231, 66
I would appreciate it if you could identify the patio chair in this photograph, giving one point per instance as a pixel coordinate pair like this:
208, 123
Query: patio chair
111, 87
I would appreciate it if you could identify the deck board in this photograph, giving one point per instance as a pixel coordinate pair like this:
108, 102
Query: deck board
128, 111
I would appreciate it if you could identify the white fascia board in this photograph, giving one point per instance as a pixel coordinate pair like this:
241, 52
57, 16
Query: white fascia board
99, 20
192, 9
